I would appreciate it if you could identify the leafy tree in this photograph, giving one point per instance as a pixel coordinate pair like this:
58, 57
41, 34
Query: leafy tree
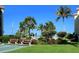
47, 30
29, 23
26, 25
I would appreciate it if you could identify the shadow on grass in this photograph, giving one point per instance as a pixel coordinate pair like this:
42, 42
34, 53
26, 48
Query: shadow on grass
75, 44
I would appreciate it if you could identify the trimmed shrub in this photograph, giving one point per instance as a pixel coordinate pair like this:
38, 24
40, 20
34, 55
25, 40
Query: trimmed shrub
61, 41
34, 41
64, 42
61, 34
41, 40
5, 38
69, 36
51, 41
1, 38
72, 37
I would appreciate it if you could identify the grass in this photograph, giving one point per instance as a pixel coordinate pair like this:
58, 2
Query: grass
48, 49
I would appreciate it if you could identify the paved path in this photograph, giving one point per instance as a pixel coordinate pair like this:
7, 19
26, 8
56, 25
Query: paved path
7, 48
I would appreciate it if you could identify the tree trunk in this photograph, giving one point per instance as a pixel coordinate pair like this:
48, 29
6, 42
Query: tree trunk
29, 32
64, 29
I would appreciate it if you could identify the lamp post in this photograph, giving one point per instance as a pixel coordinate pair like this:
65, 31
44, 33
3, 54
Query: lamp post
1, 20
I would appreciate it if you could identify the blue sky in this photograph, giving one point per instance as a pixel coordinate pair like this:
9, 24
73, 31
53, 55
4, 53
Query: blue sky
13, 14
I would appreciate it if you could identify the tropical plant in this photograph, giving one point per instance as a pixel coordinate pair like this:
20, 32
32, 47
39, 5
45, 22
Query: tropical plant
72, 37
22, 29
61, 34
5, 38
18, 34
26, 25
30, 23
47, 30
40, 27
63, 12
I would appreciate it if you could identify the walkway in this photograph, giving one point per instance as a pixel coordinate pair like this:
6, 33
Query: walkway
7, 48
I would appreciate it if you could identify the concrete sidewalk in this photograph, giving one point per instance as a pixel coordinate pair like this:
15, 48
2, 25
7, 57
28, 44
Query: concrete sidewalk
6, 48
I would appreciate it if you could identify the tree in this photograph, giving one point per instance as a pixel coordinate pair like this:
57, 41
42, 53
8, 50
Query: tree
29, 23
63, 12
41, 27
22, 29
47, 30
18, 35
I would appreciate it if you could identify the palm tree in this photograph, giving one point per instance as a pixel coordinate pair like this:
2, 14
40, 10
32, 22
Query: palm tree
63, 12
47, 30
50, 29
22, 29
30, 23
40, 27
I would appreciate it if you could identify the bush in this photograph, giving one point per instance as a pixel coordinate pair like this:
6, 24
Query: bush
61, 34
61, 41
5, 38
75, 37
13, 36
51, 41
34, 41
41, 40
72, 37
0, 38
64, 42
69, 36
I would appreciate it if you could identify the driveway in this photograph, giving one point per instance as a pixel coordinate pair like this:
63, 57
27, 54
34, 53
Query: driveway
7, 48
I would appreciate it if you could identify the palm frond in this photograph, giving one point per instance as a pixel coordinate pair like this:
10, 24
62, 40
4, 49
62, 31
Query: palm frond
57, 19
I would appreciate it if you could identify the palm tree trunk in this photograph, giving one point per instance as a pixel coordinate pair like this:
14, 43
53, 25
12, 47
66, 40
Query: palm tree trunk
64, 29
29, 32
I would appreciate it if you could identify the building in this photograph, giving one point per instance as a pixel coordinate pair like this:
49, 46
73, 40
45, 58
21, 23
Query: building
1, 20
76, 25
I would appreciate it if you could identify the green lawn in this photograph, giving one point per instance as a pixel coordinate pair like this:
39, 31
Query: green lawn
48, 49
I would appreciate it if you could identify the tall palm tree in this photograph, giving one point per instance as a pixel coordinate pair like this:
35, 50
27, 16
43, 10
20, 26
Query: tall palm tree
22, 29
40, 27
47, 30
50, 29
50, 26
30, 23
63, 12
